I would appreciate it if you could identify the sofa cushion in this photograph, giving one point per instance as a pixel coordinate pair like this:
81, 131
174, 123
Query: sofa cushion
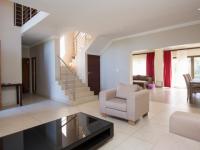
139, 81
117, 104
136, 87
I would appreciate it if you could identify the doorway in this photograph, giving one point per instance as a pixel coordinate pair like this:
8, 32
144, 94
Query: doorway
25, 75
94, 73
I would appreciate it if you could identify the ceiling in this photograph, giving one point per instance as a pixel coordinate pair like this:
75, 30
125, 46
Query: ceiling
109, 18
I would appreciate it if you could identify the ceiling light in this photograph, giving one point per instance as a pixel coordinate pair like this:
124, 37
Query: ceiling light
198, 9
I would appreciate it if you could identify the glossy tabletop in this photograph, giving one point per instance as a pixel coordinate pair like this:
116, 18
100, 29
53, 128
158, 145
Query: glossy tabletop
55, 135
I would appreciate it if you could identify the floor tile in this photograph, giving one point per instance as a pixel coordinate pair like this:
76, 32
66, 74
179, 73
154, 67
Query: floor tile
134, 144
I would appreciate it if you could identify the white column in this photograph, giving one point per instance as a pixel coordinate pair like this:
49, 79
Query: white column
158, 65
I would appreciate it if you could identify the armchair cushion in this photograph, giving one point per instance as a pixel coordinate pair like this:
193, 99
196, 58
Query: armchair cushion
123, 90
132, 108
117, 104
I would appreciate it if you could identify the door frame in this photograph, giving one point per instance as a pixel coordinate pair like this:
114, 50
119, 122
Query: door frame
29, 83
99, 71
33, 74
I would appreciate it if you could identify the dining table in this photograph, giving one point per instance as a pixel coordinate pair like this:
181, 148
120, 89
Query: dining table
194, 87
195, 81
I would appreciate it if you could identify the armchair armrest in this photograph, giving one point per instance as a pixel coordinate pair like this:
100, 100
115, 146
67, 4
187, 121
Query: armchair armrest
107, 94
104, 96
137, 104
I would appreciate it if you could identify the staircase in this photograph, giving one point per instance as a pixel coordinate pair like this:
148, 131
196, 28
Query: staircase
73, 87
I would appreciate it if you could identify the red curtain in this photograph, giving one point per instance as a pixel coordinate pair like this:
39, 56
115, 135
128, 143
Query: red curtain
167, 68
150, 64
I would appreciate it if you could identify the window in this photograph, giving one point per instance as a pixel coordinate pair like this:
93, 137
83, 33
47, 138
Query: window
180, 67
196, 67
62, 46
139, 64
185, 61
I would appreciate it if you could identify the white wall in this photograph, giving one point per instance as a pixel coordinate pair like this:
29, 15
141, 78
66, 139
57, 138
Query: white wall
46, 70
98, 43
10, 36
67, 47
25, 52
115, 61
81, 65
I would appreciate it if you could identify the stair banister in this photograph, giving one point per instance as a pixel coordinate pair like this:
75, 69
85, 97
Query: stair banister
73, 74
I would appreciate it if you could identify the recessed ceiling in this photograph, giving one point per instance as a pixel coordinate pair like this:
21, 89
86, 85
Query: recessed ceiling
110, 18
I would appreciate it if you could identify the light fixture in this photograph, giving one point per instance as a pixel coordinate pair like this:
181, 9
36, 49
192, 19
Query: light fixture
198, 9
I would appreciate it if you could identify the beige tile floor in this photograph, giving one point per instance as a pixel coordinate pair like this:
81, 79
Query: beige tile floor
174, 96
32, 98
150, 133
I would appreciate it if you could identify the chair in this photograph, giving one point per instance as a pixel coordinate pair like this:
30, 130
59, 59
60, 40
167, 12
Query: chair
187, 81
191, 88
131, 106
189, 77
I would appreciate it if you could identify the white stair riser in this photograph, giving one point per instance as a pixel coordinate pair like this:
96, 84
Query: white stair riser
78, 90
66, 87
63, 82
68, 78
82, 95
66, 71
72, 85
86, 99
69, 82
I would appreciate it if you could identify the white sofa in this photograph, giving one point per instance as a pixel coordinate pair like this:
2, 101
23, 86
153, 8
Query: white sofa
185, 124
184, 133
125, 102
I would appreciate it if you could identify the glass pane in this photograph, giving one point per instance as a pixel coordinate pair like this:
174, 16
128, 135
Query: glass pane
197, 67
178, 69
139, 64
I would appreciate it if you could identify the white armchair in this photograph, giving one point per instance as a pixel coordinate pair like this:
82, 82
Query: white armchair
131, 108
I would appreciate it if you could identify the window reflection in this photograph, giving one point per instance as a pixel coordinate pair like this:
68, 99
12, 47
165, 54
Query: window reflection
64, 127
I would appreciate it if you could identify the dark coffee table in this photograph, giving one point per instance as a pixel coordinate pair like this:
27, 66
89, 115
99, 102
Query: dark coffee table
75, 132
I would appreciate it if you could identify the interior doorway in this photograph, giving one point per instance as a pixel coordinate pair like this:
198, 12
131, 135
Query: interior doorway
94, 73
25, 75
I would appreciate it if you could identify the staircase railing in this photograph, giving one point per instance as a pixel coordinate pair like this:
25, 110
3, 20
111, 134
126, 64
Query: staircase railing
62, 64
81, 40
22, 14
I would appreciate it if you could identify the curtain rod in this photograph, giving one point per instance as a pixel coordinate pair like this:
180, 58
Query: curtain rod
169, 50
